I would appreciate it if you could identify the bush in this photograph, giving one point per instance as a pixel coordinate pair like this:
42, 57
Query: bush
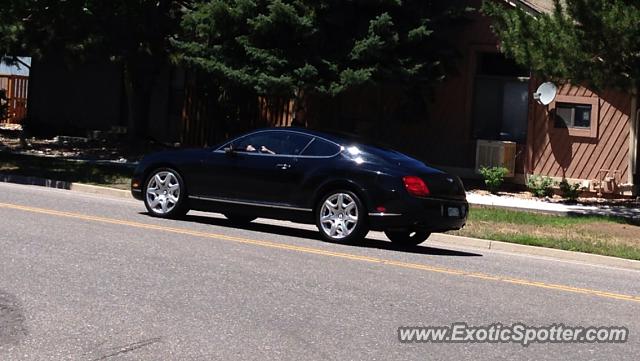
570, 191
540, 186
494, 177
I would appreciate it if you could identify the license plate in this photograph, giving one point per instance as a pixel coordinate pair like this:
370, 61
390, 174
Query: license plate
453, 212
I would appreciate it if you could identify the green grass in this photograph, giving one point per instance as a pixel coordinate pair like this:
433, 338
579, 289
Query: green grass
568, 244
488, 214
605, 236
115, 176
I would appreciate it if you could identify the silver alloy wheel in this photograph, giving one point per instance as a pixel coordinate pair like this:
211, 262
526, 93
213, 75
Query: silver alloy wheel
339, 216
163, 192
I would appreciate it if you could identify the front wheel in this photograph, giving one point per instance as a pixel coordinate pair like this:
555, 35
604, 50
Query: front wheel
406, 237
165, 194
341, 217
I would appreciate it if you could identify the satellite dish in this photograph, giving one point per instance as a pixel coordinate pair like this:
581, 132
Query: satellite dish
546, 93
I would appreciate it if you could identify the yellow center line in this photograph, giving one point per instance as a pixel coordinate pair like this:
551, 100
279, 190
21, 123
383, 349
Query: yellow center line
321, 252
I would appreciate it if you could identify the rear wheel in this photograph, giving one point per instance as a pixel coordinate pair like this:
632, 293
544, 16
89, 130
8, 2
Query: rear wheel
407, 237
165, 194
341, 217
239, 218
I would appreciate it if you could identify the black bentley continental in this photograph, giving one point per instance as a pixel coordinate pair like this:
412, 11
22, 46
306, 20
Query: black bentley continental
344, 185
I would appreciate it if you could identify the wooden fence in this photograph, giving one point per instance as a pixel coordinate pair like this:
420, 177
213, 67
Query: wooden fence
16, 88
275, 112
209, 116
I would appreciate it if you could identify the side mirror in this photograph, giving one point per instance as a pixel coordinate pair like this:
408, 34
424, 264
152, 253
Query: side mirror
229, 150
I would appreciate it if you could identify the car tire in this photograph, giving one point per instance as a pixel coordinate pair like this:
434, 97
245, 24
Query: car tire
341, 217
406, 237
239, 219
165, 194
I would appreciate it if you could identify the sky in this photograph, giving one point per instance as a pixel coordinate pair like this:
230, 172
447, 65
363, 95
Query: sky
15, 70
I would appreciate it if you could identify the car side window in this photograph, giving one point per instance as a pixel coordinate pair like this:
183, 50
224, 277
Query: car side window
273, 143
321, 148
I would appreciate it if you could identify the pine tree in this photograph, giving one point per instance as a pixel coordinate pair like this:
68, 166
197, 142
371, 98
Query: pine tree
289, 47
592, 42
133, 34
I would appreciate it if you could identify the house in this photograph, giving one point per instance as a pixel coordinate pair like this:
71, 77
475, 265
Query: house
485, 114
583, 136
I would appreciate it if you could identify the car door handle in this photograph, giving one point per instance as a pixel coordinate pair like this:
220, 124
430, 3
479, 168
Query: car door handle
283, 166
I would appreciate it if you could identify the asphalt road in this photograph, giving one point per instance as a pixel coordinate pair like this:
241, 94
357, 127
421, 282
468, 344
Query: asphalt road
90, 278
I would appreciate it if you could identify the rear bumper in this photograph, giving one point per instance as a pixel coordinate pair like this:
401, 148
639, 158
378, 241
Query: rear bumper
137, 194
428, 214
136, 188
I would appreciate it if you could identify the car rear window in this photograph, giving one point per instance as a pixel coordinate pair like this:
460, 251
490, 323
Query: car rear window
321, 148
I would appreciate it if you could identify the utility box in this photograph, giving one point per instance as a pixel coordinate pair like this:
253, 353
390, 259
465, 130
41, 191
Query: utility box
495, 153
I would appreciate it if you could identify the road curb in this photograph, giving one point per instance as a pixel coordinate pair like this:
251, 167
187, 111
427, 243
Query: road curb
76, 187
112, 192
540, 251
445, 238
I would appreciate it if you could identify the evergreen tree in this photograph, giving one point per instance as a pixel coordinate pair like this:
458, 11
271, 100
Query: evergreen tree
134, 34
594, 42
290, 47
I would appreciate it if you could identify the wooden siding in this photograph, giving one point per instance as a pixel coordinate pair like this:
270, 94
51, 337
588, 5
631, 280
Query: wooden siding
555, 153
17, 91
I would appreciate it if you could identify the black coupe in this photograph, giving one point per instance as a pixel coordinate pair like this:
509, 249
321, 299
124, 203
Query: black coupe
345, 186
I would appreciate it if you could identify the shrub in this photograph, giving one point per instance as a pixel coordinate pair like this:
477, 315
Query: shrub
570, 191
540, 186
494, 177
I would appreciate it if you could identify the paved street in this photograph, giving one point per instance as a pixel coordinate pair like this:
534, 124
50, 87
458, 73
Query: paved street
90, 278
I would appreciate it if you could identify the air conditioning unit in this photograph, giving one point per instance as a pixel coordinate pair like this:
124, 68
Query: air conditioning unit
493, 153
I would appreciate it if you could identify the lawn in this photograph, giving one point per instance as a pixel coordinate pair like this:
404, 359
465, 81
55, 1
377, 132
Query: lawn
597, 235
108, 175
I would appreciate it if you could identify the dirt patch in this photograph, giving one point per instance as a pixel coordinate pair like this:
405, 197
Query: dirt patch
614, 233
595, 232
77, 148
12, 320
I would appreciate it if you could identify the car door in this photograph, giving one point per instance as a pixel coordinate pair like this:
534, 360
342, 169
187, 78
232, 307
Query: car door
317, 164
261, 168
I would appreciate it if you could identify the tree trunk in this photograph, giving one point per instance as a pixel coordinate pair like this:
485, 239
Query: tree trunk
299, 118
139, 82
634, 147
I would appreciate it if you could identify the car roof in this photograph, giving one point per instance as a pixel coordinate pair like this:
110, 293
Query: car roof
340, 138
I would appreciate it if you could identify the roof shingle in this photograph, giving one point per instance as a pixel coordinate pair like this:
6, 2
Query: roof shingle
541, 6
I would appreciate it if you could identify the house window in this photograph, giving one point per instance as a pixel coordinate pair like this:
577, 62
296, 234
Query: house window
500, 99
573, 115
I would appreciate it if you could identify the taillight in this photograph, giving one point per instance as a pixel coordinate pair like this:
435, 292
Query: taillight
416, 186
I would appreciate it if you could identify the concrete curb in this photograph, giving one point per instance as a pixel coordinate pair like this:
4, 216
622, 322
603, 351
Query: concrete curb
76, 187
111, 192
446, 238
540, 251
623, 212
